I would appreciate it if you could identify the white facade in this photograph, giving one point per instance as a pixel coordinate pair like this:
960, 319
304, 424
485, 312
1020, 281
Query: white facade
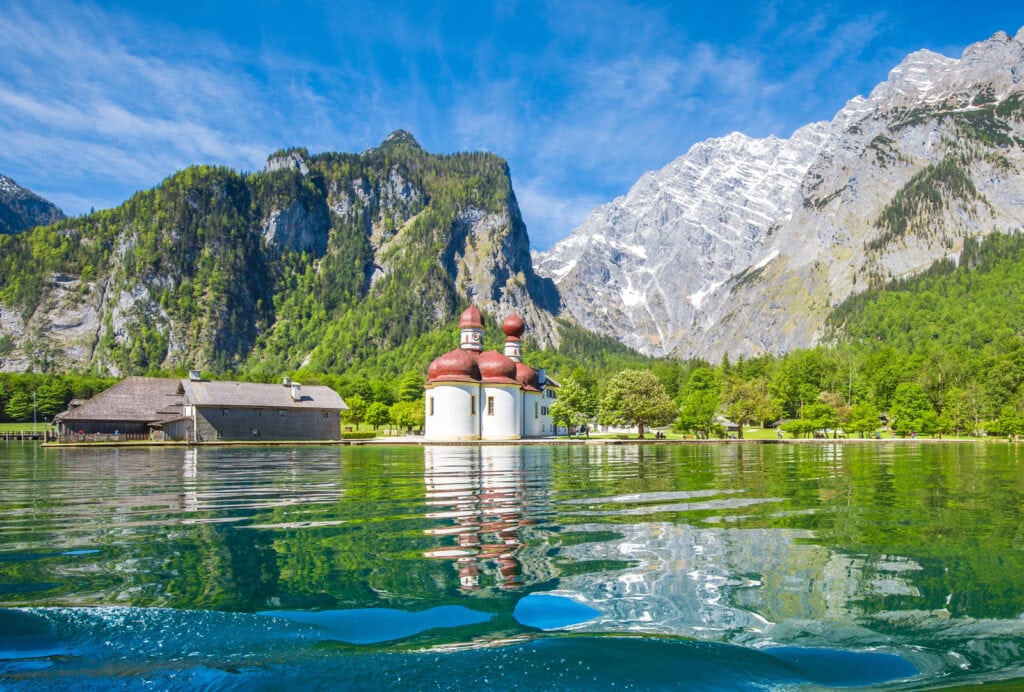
476, 395
453, 412
502, 412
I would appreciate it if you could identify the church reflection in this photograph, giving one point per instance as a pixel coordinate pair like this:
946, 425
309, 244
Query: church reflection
479, 494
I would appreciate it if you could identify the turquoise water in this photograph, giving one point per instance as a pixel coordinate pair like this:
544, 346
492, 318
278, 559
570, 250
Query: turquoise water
702, 567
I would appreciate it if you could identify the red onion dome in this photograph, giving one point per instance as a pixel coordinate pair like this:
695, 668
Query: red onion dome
455, 366
513, 326
527, 377
471, 317
497, 367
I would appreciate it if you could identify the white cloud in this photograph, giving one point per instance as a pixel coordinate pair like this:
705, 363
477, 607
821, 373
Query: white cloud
85, 100
550, 214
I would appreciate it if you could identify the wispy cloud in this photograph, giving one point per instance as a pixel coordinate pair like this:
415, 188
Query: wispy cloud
581, 96
80, 101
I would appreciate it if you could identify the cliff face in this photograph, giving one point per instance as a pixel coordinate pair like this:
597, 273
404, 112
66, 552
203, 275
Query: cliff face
643, 266
21, 209
743, 247
316, 260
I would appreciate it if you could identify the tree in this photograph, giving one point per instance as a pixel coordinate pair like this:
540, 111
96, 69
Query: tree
383, 392
410, 386
636, 397
576, 404
819, 416
864, 418
909, 407
357, 407
378, 414
701, 400
19, 407
51, 398
746, 400
408, 414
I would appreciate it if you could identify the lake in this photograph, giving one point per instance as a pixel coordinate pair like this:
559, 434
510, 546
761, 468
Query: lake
538, 567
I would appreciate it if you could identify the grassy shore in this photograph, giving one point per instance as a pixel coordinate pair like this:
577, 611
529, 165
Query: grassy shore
18, 427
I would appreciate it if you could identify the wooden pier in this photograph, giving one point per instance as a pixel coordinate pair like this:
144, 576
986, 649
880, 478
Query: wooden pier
27, 435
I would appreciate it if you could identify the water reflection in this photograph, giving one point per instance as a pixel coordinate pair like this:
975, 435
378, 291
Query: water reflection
917, 551
480, 492
717, 582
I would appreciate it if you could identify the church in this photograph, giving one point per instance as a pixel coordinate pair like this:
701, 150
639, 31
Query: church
472, 394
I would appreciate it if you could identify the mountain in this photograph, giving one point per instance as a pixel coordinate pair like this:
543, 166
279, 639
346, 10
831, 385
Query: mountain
743, 246
20, 208
318, 260
642, 267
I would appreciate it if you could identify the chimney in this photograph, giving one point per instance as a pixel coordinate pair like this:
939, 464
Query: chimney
195, 376
296, 391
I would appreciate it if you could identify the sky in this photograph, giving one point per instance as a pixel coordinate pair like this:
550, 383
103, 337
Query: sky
99, 100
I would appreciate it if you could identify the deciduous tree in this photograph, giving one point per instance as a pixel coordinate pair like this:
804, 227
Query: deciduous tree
636, 397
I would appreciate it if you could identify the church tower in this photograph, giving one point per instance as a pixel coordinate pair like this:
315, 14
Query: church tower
472, 326
513, 327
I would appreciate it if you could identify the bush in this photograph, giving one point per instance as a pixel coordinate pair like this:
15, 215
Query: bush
358, 435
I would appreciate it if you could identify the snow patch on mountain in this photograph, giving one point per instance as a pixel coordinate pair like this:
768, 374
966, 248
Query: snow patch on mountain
742, 246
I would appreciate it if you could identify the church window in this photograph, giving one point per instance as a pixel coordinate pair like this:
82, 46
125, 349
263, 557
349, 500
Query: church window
535, 405
490, 406
431, 405
472, 404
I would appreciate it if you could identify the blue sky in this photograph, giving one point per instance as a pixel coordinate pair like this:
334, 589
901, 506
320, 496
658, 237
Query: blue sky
581, 97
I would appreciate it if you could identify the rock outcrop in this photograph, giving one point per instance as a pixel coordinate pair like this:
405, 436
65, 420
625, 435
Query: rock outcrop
743, 247
21, 209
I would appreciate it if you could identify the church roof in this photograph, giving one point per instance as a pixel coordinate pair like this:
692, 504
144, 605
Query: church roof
513, 326
471, 317
496, 368
459, 365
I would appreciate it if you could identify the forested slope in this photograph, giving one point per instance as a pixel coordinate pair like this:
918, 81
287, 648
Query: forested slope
322, 260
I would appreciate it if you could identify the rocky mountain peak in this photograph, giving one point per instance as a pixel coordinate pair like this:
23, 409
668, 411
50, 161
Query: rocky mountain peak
289, 159
400, 137
743, 246
20, 208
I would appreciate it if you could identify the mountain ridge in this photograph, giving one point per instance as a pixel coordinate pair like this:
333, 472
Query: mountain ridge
317, 260
21, 209
953, 123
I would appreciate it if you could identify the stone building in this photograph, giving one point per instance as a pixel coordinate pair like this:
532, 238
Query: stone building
131, 408
198, 410
472, 394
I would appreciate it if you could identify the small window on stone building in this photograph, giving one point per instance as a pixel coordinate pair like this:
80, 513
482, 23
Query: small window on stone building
280, 412
223, 412
327, 414
490, 406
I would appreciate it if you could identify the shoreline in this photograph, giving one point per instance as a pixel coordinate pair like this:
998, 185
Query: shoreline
541, 441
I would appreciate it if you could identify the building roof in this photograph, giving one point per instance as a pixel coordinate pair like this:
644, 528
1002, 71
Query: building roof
158, 399
471, 317
258, 395
138, 399
513, 326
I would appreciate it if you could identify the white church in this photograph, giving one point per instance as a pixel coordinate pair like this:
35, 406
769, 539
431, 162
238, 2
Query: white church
472, 394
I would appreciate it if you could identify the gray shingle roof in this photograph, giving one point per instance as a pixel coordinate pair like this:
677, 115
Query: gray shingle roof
256, 395
157, 399
143, 399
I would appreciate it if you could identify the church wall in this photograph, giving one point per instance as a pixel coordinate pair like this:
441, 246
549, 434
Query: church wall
448, 414
502, 412
531, 414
